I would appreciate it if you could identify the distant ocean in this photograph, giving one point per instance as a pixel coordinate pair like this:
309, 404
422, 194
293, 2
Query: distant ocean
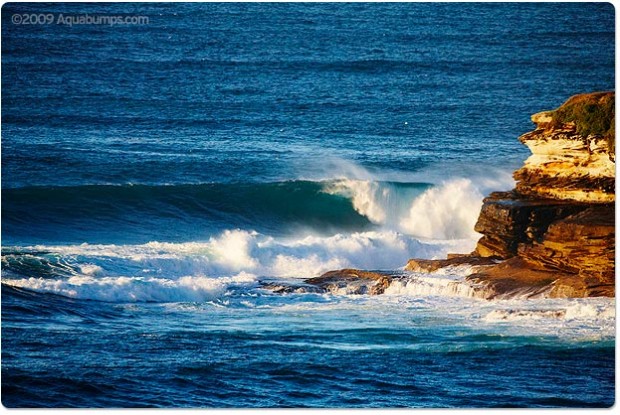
156, 173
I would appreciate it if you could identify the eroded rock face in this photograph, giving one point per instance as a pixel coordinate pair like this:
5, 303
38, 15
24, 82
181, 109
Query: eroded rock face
507, 220
583, 243
566, 166
573, 155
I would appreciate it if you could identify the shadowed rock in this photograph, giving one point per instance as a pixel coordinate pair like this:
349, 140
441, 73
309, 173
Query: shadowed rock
507, 220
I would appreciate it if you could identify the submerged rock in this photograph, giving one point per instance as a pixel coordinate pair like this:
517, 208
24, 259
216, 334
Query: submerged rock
344, 281
283, 288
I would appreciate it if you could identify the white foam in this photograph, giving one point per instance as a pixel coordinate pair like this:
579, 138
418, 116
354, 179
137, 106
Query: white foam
135, 289
447, 285
448, 210
519, 315
572, 318
580, 310
236, 251
91, 269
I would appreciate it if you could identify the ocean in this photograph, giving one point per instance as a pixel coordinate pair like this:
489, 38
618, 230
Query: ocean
157, 173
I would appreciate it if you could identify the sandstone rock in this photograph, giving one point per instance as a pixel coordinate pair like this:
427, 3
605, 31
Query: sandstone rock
431, 265
566, 166
506, 220
573, 155
517, 277
583, 243
514, 277
542, 118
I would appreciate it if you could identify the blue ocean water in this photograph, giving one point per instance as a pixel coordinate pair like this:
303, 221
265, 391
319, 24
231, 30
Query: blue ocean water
155, 175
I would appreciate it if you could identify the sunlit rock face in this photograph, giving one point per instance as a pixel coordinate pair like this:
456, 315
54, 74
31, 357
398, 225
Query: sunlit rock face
565, 164
573, 151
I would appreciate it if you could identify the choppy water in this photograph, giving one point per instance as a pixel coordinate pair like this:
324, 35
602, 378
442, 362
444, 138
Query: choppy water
153, 176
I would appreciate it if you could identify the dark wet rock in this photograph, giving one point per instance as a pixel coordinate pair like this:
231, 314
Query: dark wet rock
352, 281
516, 277
582, 244
507, 220
282, 288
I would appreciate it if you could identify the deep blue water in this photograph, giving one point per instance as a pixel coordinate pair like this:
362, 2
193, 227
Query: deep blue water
153, 175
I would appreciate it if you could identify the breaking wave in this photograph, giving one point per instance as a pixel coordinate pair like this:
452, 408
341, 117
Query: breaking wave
446, 210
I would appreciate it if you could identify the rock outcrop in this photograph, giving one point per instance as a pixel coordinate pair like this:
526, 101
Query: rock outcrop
508, 219
345, 281
556, 229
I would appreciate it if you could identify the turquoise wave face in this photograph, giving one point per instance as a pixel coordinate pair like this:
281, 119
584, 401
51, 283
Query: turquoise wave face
182, 212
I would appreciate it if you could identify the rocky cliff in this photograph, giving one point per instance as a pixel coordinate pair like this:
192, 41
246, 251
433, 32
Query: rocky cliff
556, 229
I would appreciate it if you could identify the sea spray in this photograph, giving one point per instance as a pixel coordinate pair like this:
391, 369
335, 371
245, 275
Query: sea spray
448, 211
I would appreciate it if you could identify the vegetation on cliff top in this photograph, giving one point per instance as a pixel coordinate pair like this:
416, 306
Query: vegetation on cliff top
592, 114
